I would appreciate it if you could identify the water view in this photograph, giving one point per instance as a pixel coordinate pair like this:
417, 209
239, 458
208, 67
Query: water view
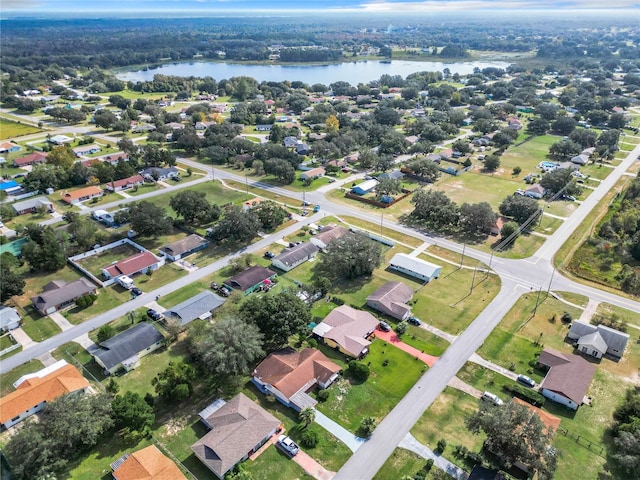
354, 72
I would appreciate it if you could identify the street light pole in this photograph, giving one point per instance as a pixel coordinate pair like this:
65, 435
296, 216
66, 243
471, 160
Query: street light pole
464, 246
550, 281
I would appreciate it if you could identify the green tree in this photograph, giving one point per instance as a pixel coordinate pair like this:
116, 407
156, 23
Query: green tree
45, 249
508, 229
388, 186
194, 207
148, 219
270, 214
174, 382
359, 371
514, 434
229, 348
105, 333
434, 209
277, 316
67, 427
558, 179
518, 207
491, 163
61, 156
130, 411
307, 416
236, 226
351, 256
425, 168
538, 126
105, 119
11, 282
477, 217
84, 232
367, 426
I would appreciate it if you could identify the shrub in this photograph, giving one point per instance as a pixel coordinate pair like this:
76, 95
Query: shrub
442, 444
401, 328
566, 317
323, 395
526, 394
309, 438
358, 371
517, 170
105, 333
367, 426
429, 465
86, 300
312, 342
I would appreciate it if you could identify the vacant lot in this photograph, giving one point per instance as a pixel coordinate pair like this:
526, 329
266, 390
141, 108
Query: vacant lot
9, 129
96, 263
527, 156
475, 186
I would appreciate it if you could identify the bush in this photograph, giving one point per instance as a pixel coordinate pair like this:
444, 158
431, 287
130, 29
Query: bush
323, 395
442, 444
526, 394
358, 371
86, 300
309, 438
429, 465
566, 317
367, 426
105, 333
517, 171
401, 328
312, 342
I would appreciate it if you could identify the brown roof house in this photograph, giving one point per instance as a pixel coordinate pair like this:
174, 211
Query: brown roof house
34, 390
348, 330
391, 299
31, 159
82, 195
124, 184
327, 235
146, 464
239, 427
138, 263
59, 294
288, 375
184, 247
568, 378
250, 280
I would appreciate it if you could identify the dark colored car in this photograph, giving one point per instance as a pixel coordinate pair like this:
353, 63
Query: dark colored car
269, 254
136, 291
523, 379
153, 315
414, 321
384, 326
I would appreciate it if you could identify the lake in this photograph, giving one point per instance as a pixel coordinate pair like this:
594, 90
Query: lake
353, 72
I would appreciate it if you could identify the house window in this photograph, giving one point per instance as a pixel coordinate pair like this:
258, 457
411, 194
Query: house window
14, 419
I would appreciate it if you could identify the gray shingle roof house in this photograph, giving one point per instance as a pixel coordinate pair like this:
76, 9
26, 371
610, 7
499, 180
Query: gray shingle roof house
391, 299
251, 279
184, 247
238, 428
290, 258
348, 330
125, 349
568, 378
415, 267
327, 235
598, 340
9, 319
59, 294
162, 173
198, 306
32, 204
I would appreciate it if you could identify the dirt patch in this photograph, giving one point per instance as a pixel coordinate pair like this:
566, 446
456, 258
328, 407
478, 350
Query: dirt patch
175, 426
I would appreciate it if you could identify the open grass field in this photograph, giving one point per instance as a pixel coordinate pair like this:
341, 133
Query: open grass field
475, 186
146, 188
9, 129
526, 156
19, 222
350, 402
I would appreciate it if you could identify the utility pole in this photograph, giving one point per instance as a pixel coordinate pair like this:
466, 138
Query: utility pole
381, 217
464, 246
535, 309
246, 182
550, 281
473, 279
213, 173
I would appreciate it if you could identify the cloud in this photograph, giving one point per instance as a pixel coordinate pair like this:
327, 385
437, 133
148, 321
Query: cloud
378, 6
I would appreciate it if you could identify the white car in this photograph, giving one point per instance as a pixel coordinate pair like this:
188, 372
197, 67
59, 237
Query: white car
288, 445
491, 397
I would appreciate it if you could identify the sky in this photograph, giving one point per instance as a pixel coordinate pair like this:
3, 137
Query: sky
116, 7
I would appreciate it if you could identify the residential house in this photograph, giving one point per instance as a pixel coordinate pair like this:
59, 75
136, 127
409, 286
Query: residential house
415, 267
514, 123
250, 280
32, 205
327, 235
160, 174
9, 319
115, 157
34, 158
239, 427
146, 464
291, 257
264, 128
249, 204
290, 142
60, 140
288, 375
125, 183
568, 377
365, 187
598, 340
303, 149
124, 350
35, 390
536, 191
199, 306
59, 294
9, 186
581, 159
312, 174
391, 299
103, 216
184, 247
86, 150
141, 262
347, 330
82, 195
9, 147
393, 175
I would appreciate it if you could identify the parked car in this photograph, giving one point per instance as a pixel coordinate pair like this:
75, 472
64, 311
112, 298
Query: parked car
136, 291
414, 321
287, 445
384, 326
491, 397
153, 315
269, 254
523, 379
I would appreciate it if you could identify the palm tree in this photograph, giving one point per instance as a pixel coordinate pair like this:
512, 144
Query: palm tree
307, 416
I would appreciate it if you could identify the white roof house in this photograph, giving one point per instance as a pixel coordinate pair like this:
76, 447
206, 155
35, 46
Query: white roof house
415, 267
598, 340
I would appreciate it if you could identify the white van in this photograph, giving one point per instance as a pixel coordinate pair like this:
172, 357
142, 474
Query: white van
491, 397
125, 281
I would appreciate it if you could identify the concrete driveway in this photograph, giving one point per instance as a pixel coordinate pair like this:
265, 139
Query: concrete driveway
22, 338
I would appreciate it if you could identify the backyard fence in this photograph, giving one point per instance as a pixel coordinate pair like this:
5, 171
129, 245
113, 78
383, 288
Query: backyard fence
583, 442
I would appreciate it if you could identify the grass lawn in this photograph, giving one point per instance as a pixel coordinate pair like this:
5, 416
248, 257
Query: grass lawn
241, 187
9, 129
145, 188
350, 402
425, 341
596, 170
445, 420
7, 379
526, 156
512, 342
21, 221
386, 231
400, 464
39, 328
273, 463
524, 246
6, 341
548, 225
